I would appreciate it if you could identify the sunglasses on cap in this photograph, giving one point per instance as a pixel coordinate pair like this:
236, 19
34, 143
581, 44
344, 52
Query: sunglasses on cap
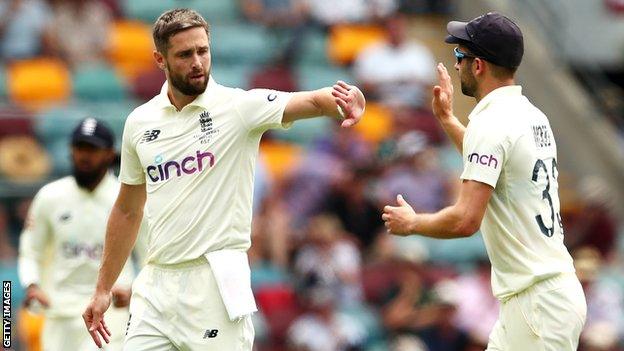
460, 55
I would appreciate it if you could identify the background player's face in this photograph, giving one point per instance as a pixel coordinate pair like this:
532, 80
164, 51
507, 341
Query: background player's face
90, 163
187, 61
466, 77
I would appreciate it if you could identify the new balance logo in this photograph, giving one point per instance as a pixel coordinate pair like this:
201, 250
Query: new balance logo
150, 135
211, 333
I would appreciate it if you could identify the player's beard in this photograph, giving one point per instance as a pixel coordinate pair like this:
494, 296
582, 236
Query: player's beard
89, 179
183, 84
468, 82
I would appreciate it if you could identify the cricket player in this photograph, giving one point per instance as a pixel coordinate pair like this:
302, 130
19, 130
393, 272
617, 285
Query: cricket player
509, 189
61, 245
188, 155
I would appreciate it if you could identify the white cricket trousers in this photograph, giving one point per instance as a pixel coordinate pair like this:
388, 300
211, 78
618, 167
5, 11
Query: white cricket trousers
70, 333
178, 307
548, 316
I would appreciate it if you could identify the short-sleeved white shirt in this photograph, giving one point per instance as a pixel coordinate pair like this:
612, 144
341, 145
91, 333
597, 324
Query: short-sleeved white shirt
62, 242
510, 146
198, 166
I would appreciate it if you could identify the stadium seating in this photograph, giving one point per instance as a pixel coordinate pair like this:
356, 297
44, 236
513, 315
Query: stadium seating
280, 158
313, 77
3, 82
346, 41
26, 87
231, 75
240, 43
99, 82
130, 48
376, 125
147, 10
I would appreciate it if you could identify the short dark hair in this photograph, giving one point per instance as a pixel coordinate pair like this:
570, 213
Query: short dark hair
173, 22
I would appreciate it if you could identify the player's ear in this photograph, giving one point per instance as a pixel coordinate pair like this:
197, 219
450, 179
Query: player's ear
160, 60
478, 66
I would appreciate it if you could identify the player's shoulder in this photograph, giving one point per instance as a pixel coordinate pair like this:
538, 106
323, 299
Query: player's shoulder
57, 189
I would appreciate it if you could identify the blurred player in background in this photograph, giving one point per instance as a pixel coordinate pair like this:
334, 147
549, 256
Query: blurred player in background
509, 189
62, 243
189, 155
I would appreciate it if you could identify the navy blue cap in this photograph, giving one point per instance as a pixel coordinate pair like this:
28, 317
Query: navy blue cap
94, 132
492, 36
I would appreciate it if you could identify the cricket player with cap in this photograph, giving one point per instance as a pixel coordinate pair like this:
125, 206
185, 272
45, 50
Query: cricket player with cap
62, 242
188, 155
509, 189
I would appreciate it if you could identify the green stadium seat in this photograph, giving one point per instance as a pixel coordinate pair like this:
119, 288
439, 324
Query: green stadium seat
147, 10
215, 11
3, 83
304, 132
98, 83
235, 76
314, 48
240, 43
318, 76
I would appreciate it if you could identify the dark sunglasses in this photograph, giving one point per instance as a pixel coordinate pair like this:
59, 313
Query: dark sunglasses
460, 55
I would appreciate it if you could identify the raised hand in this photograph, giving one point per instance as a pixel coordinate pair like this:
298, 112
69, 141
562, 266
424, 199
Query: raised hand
351, 101
399, 219
94, 318
442, 102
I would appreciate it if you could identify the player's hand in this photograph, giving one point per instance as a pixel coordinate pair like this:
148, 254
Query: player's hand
351, 101
94, 317
35, 294
442, 103
121, 296
399, 220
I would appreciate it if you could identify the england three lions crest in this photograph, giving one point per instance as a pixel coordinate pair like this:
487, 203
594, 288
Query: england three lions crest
206, 128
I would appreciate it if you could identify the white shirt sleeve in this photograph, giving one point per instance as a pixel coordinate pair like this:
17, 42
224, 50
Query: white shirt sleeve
34, 241
263, 109
484, 151
131, 171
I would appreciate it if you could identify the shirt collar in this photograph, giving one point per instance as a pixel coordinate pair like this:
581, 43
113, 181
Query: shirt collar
510, 90
203, 100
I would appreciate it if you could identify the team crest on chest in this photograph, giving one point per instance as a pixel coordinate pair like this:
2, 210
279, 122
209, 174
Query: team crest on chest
206, 128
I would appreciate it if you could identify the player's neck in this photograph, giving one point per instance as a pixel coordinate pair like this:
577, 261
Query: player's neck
178, 99
487, 86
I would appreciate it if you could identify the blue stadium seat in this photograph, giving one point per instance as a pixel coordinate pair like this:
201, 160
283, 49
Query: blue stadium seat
98, 83
240, 43
318, 76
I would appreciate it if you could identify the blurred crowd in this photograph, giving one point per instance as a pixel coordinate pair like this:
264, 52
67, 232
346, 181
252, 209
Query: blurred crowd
325, 273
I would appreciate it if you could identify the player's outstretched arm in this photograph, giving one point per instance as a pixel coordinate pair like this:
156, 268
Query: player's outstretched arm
459, 220
326, 102
442, 106
121, 232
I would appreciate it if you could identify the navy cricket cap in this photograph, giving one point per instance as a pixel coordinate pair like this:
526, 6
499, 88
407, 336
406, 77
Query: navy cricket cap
492, 36
93, 132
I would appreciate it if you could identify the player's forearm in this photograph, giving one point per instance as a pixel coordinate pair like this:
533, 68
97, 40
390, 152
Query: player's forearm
455, 130
121, 234
449, 223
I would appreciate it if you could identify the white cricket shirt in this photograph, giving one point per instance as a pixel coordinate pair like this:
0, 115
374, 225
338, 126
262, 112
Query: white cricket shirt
509, 145
62, 241
198, 166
